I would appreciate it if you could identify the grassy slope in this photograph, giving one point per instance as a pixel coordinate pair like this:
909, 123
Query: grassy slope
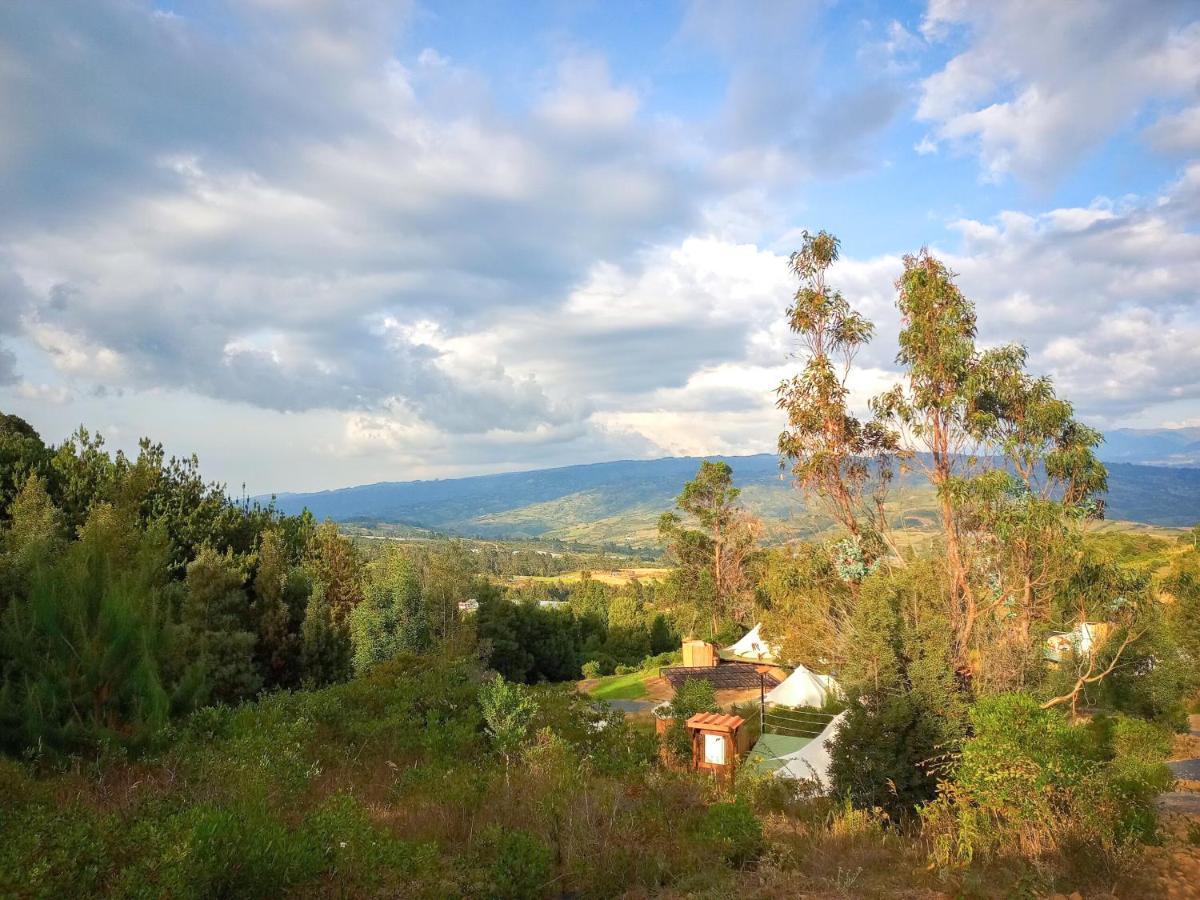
623, 687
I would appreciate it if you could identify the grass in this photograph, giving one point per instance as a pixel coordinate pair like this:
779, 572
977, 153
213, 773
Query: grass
614, 577
623, 687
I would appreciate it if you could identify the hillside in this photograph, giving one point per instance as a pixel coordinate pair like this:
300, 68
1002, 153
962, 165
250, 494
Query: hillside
619, 502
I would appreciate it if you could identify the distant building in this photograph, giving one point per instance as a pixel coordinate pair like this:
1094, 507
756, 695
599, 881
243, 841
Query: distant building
468, 606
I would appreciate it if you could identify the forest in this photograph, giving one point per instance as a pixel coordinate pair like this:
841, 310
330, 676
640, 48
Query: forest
203, 696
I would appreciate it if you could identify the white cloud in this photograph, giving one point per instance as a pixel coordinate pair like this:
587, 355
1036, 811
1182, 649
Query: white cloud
1037, 86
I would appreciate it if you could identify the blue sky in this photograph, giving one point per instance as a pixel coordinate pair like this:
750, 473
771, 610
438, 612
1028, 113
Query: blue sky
323, 242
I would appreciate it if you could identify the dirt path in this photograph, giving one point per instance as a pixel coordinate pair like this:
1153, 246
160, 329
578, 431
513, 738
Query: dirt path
1176, 864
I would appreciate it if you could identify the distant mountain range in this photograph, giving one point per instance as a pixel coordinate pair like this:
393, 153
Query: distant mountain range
1152, 446
620, 502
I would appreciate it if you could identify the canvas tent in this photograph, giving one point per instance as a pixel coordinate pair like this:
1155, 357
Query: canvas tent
811, 762
752, 648
804, 688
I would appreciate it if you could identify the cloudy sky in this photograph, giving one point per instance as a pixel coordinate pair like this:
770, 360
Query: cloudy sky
325, 242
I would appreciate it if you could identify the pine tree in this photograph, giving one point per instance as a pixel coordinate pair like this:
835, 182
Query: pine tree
215, 631
326, 650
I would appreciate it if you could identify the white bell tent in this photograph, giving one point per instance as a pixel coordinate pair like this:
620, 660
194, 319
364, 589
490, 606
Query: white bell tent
811, 762
804, 688
753, 648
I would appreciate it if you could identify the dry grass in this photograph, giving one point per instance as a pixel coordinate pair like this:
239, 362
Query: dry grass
613, 577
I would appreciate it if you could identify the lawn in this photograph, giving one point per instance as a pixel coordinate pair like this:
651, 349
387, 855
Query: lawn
623, 687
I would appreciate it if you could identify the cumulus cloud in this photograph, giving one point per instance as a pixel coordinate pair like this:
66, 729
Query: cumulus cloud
366, 258
1037, 86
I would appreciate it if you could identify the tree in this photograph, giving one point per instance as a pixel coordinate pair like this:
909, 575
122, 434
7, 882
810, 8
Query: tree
83, 649
29, 541
808, 605
280, 596
216, 628
391, 618
935, 409
334, 563
508, 711
447, 578
907, 709
326, 652
22, 454
834, 455
714, 556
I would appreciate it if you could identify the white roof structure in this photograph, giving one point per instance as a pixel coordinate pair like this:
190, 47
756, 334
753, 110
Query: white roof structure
804, 688
1081, 640
753, 648
811, 762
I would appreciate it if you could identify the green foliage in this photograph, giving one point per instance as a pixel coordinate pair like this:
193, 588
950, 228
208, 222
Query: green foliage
83, 648
694, 696
214, 633
22, 456
391, 618
886, 753
281, 595
326, 652
591, 669
906, 711
1030, 784
733, 831
334, 563
713, 555
528, 643
516, 865
508, 710
834, 455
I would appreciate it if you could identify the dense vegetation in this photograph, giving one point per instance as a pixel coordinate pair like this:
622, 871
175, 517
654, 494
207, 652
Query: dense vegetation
206, 697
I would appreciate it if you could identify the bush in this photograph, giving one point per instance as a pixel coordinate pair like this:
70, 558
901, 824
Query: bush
1032, 786
515, 865
591, 669
659, 660
885, 754
733, 831
625, 670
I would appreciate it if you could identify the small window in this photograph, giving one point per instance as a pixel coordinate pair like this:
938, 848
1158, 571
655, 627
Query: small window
714, 749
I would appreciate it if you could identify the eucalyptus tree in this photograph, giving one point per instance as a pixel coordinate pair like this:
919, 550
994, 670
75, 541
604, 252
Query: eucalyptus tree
713, 545
1012, 467
934, 407
834, 455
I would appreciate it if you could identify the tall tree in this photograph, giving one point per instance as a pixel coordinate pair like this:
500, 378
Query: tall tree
717, 550
334, 563
280, 595
391, 618
935, 410
22, 454
217, 629
834, 455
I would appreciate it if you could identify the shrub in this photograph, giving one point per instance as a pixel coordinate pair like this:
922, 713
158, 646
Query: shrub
733, 831
1032, 786
591, 669
623, 669
885, 753
515, 864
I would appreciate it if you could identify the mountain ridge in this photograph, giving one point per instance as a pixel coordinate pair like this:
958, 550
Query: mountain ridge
618, 501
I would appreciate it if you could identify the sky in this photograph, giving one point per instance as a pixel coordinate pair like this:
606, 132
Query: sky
332, 242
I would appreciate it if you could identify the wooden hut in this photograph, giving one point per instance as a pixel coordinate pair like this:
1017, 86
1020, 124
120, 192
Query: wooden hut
699, 654
718, 742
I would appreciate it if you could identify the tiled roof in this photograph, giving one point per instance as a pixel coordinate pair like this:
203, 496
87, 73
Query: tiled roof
715, 722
